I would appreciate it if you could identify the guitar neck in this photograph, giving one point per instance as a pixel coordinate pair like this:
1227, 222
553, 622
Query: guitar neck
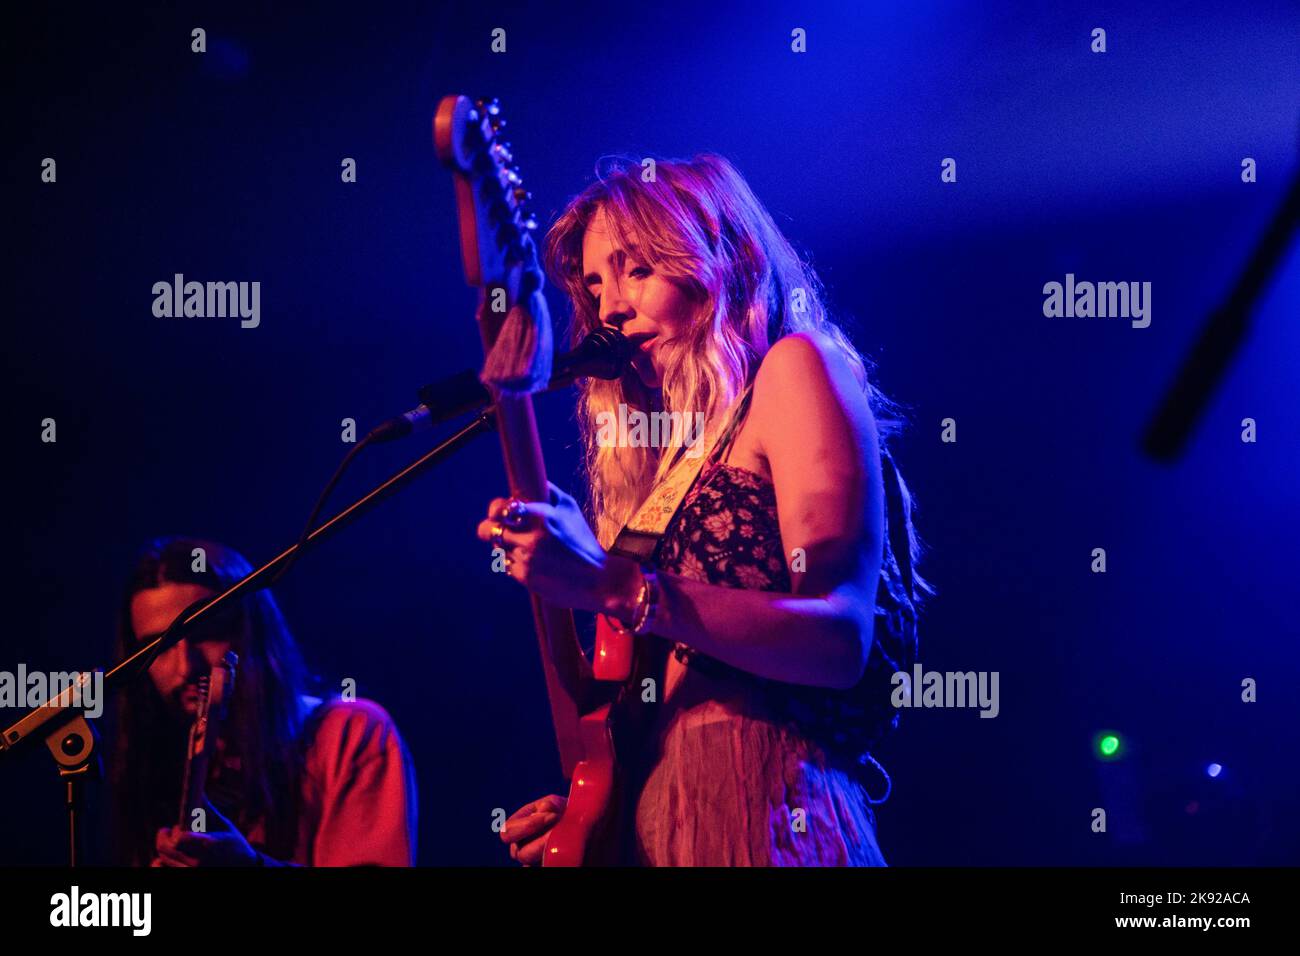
497, 250
194, 781
566, 668
205, 732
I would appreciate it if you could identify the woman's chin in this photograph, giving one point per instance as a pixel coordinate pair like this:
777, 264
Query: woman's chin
646, 372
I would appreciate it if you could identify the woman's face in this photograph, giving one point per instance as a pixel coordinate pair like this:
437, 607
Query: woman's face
647, 307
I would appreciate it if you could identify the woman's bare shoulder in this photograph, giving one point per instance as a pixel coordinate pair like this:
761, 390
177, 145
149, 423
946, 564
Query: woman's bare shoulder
805, 387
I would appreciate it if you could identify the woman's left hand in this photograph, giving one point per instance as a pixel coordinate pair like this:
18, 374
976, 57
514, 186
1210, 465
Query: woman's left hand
551, 550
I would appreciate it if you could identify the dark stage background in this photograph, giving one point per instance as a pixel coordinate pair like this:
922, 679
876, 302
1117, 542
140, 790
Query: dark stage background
1117, 166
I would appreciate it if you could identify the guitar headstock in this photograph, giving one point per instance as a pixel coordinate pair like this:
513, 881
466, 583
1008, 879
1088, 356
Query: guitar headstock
220, 686
496, 230
205, 701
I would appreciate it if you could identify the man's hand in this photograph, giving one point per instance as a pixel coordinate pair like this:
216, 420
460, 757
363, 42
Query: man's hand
222, 845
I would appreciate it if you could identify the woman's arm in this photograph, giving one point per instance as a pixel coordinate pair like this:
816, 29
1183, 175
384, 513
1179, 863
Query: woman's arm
815, 428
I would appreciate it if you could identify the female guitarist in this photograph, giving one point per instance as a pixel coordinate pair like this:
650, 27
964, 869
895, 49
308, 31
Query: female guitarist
773, 595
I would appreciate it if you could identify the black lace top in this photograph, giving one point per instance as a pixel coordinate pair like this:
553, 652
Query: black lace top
726, 533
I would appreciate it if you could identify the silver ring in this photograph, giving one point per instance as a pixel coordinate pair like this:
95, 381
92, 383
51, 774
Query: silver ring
514, 512
497, 531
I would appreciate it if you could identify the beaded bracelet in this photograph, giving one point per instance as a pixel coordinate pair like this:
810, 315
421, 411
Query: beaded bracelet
647, 602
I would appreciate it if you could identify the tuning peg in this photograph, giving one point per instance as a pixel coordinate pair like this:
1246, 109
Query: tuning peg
530, 222
513, 177
485, 108
502, 152
508, 235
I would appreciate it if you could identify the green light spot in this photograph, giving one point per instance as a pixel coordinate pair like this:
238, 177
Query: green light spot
1108, 745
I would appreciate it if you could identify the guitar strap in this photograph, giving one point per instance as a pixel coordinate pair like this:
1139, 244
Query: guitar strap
640, 536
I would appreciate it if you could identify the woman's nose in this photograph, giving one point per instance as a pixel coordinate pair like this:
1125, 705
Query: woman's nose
614, 310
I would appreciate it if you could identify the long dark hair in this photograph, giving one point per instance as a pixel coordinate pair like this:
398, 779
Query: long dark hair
265, 722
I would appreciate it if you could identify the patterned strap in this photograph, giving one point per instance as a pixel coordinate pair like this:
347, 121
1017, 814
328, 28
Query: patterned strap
640, 536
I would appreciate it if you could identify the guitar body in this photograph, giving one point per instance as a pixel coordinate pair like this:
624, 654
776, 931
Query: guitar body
496, 249
587, 834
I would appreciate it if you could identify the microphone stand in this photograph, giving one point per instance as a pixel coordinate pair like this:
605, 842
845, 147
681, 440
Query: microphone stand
71, 738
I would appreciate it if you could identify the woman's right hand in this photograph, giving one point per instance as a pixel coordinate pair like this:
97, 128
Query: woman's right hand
526, 829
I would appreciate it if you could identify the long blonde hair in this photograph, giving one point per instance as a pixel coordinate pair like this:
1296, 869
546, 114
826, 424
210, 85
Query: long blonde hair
699, 224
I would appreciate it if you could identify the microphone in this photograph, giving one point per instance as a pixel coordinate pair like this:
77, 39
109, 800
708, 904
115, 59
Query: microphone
604, 353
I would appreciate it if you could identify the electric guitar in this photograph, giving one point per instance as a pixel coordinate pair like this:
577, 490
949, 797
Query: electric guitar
215, 691
497, 248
